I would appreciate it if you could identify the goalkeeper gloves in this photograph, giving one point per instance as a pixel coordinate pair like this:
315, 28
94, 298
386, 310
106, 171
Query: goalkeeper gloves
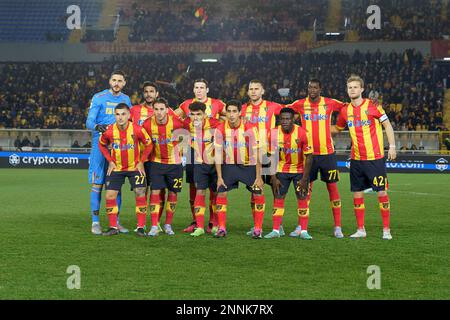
100, 127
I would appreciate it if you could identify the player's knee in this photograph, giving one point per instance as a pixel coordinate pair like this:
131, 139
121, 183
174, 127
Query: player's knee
140, 192
98, 186
382, 193
111, 194
201, 192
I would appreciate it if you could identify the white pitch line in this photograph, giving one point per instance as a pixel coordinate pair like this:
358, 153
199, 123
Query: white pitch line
419, 193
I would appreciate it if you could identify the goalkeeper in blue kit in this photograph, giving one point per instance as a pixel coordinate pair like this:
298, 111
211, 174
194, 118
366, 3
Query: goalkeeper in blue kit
101, 114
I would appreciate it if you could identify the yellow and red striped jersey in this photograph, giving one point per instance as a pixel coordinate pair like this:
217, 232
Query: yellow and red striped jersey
125, 145
364, 125
240, 145
213, 107
165, 138
316, 119
291, 148
141, 112
202, 139
262, 117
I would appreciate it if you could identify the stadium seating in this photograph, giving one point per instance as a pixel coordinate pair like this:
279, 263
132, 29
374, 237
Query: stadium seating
43, 20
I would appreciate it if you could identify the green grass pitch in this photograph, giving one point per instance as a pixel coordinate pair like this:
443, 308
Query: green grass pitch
45, 227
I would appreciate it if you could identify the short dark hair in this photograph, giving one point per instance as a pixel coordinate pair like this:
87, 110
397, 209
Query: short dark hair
288, 110
119, 72
234, 102
122, 106
315, 80
150, 84
161, 100
256, 81
201, 80
197, 106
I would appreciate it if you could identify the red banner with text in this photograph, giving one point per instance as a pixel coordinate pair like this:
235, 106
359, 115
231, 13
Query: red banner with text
440, 49
196, 47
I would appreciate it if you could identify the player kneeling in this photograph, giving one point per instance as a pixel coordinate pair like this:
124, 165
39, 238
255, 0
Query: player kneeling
292, 144
125, 138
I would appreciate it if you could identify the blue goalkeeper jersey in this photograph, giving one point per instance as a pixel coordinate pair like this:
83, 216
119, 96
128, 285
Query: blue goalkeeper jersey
101, 110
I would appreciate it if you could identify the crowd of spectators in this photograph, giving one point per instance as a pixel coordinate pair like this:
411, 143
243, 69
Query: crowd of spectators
53, 95
279, 20
400, 19
285, 19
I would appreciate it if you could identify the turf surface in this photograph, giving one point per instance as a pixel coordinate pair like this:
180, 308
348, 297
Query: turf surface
45, 225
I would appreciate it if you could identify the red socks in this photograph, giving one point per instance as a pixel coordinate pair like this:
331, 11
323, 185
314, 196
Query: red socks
260, 205
141, 211
385, 210
170, 207
335, 201
221, 207
359, 208
199, 209
154, 208
112, 210
278, 212
303, 213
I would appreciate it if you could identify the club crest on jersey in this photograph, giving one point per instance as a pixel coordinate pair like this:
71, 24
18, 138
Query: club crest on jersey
152, 208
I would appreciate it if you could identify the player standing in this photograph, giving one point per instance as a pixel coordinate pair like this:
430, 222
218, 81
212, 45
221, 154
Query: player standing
214, 109
236, 159
261, 114
367, 165
292, 143
143, 111
315, 112
125, 161
101, 114
140, 113
166, 170
202, 128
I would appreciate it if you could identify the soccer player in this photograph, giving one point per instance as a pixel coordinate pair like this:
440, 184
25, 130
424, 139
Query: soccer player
315, 112
166, 170
143, 111
101, 114
202, 129
292, 143
214, 109
261, 114
236, 159
140, 113
125, 161
364, 120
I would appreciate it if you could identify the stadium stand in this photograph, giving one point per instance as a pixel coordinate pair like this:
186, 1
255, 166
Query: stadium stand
53, 95
230, 20
43, 20
401, 19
